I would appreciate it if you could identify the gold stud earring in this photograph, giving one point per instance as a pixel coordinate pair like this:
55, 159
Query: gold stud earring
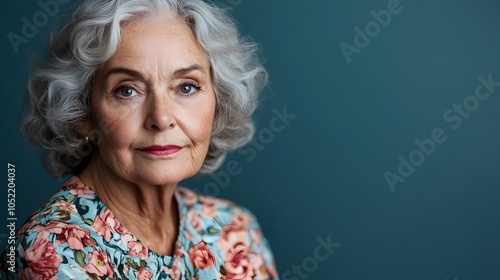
86, 139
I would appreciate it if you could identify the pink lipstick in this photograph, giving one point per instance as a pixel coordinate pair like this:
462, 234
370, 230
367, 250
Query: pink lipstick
157, 150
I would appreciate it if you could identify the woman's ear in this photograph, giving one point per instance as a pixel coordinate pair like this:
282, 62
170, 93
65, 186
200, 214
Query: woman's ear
84, 127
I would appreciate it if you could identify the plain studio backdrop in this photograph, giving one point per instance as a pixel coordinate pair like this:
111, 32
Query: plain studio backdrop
376, 153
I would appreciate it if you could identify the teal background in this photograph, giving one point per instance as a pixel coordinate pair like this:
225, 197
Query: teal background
323, 174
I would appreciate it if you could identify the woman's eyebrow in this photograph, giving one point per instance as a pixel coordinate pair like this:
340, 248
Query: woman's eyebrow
136, 74
123, 70
187, 70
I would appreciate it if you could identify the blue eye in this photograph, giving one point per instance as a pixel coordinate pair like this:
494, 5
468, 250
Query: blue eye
188, 89
125, 92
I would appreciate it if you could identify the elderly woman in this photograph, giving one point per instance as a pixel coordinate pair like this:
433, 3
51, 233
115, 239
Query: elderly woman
136, 96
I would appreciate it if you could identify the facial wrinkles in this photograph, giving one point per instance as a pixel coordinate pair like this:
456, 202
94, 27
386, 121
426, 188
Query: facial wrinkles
192, 116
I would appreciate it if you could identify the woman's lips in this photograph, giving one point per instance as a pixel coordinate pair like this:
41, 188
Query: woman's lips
161, 150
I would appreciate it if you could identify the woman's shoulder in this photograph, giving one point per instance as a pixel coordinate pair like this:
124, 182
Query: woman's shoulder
226, 211
72, 203
46, 243
230, 231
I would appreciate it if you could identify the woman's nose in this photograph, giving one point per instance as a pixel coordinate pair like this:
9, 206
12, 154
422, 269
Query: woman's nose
160, 113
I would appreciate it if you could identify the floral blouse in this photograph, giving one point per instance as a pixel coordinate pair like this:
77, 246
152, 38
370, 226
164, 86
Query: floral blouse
75, 236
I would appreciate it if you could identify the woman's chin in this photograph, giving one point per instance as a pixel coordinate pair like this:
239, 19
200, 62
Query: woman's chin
165, 177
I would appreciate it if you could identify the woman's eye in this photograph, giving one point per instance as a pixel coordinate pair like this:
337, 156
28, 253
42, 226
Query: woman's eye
189, 89
126, 92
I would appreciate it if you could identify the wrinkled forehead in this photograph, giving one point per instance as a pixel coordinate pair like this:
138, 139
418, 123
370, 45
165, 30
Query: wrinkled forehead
160, 43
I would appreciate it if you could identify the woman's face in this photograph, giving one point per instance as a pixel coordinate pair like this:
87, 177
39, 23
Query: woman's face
156, 98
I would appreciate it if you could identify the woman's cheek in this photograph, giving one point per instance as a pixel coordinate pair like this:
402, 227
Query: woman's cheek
119, 132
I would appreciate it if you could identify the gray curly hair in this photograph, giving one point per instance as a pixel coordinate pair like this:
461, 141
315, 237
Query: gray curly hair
59, 89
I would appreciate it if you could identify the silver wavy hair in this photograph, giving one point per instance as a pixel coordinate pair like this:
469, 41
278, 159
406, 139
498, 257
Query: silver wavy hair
59, 90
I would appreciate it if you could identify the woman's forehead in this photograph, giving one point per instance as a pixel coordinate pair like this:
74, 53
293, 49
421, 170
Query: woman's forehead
158, 42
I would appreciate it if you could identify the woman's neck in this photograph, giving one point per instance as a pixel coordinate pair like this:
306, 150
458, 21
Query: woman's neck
149, 212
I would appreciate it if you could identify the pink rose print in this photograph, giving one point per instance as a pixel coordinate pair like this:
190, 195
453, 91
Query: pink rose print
261, 270
76, 237
200, 256
42, 260
136, 249
214, 201
98, 264
189, 197
238, 265
178, 254
144, 274
208, 209
239, 223
79, 189
105, 224
173, 272
240, 220
65, 206
31, 222
126, 238
230, 235
194, 219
